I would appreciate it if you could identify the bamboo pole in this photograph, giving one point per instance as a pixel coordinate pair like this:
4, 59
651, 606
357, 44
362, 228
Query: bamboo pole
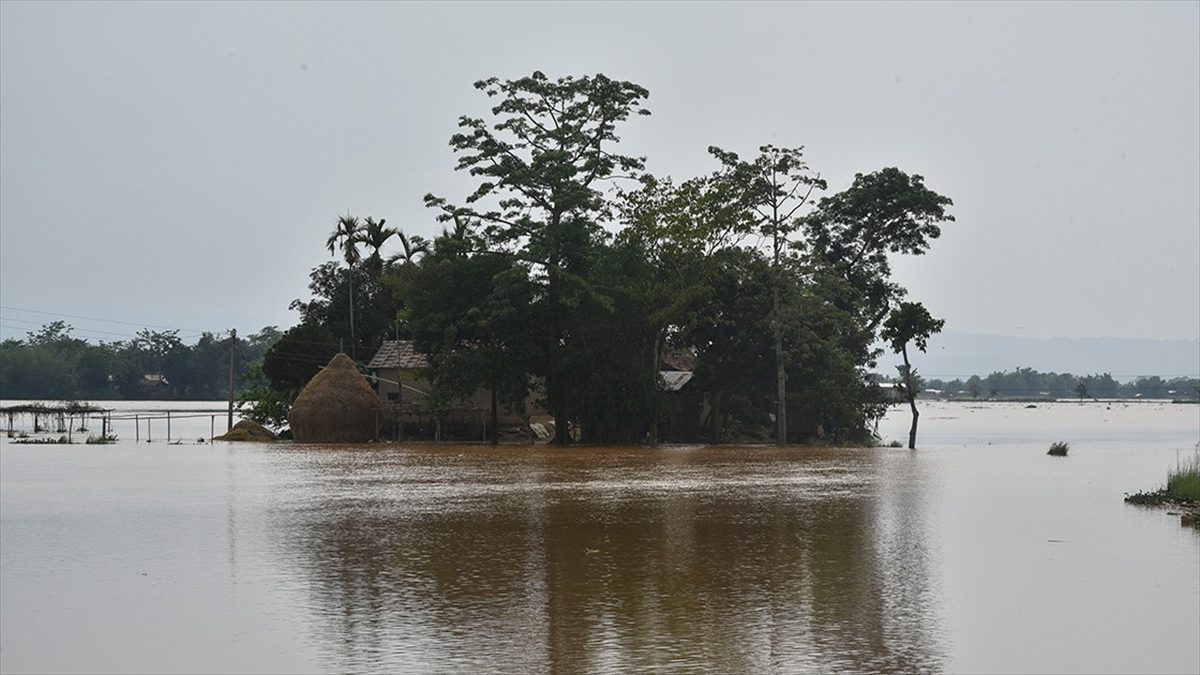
232, 347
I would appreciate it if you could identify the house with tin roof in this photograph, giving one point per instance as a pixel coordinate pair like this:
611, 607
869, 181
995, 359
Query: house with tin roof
398, 370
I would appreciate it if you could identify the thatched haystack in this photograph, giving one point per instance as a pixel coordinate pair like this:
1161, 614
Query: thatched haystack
247, 430
337, 406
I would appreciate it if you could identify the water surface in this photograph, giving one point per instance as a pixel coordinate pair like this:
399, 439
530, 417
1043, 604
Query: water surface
975, 553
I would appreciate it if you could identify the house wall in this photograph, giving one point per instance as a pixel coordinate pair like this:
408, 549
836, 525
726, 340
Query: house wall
481, 400
390, 392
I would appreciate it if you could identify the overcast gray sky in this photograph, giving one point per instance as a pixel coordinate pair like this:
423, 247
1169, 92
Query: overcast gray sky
181, 164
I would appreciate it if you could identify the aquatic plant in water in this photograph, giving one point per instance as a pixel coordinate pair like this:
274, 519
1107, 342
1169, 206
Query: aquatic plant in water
1184, 481
1058, 449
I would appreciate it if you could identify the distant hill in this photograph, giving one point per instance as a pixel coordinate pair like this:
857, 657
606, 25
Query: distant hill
960, 355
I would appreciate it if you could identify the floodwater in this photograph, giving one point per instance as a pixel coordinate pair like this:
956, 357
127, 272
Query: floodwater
975, 553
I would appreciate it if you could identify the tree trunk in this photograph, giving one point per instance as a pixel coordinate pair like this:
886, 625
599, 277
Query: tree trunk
911, 394
494, 431
654, 390
554, 381
350, 282
912, 432
714, 419
780, 378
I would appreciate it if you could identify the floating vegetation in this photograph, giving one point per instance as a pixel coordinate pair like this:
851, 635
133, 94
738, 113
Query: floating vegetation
101, 440
61, 440
1058, 449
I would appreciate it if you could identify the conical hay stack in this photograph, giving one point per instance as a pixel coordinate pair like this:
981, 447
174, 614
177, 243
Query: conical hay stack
247, 430
337, 406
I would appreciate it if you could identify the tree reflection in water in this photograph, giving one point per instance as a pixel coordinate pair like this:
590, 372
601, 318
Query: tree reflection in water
731, 559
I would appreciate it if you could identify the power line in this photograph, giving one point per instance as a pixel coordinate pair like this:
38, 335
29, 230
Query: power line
93, 318
74, 329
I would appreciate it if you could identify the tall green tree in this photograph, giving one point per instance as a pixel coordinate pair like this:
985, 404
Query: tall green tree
470, 312
410, 249
910, 323
346, 236
775, 186
672, 230
374, 234
733, 341
884, 212
544, 160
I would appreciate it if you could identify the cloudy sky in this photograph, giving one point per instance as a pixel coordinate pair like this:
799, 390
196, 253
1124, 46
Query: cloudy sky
180, 165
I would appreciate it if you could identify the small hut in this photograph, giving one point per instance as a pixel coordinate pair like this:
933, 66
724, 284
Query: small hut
337, 406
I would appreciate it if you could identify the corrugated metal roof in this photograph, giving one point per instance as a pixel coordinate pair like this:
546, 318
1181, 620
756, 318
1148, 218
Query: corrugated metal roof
398, 354
673, 380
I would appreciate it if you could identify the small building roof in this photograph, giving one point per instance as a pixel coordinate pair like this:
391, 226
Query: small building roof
673, 380
682, 361
401, 354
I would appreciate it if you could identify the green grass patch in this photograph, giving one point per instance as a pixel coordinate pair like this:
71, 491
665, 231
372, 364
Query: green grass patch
1184, 481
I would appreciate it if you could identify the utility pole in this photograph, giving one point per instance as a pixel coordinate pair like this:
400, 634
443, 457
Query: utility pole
232, 348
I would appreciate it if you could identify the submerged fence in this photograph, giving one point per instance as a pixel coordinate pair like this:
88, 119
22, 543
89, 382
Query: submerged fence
171, 426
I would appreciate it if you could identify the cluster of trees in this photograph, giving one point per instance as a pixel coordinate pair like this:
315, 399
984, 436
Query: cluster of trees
570, 271
52, 364
1029, 383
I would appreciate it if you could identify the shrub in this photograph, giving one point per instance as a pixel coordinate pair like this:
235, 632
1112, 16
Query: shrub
1184, 481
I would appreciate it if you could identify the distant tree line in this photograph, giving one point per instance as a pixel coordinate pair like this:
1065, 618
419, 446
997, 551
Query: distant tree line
1029, 383
50, 363
570, 271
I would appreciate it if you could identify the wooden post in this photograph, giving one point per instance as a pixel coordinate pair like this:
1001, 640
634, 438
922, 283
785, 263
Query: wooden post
137, 429
232, 346
212, 427
149, 438
168, 427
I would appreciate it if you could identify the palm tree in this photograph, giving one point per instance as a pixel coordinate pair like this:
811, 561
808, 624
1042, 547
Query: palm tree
346, 236
413, 246
375, 235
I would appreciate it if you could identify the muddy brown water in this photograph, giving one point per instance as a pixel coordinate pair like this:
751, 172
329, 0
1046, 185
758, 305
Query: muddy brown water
976, 553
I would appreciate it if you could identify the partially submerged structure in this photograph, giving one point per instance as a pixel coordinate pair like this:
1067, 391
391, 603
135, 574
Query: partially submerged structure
338, 406
58, 417
682, 417
248, 431
399, 372
399, 366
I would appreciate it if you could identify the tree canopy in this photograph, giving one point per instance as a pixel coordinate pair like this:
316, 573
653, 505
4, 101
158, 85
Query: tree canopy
570, 276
